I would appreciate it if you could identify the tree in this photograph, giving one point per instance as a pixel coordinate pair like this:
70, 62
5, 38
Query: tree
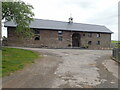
20, 13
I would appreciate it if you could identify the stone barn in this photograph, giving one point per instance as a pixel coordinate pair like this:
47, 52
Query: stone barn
58, 34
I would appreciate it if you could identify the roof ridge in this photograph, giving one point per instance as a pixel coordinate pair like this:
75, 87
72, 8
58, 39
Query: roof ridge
67, 22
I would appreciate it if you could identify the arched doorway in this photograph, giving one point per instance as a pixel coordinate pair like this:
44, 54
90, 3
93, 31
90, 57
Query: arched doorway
76, 40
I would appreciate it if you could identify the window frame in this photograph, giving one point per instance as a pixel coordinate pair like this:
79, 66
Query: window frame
89, 42
36, 30
60, 38
83, 34
60, 32
36, 36
98, 42
89, 34
98, 35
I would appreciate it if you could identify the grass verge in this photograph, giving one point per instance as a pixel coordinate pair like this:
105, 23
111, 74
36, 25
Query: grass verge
113, 41
15, 59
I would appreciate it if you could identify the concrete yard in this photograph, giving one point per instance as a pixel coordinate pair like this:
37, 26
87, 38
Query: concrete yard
67, 68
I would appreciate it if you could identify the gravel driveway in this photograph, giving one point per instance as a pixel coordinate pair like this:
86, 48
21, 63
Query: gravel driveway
66, 68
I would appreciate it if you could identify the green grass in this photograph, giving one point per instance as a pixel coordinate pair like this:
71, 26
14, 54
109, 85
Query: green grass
15, 59
113, 41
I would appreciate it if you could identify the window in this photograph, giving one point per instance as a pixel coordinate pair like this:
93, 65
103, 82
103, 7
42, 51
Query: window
89, 34
60, 38
98, 34
98, 42
60, 35
37, 37
83, 34
59, 32
89, 42
37, 31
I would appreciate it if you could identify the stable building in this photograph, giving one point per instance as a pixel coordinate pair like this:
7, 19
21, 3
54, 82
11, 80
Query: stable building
58, 34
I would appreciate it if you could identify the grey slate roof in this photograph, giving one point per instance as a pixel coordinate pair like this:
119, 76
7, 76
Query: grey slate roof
59, 25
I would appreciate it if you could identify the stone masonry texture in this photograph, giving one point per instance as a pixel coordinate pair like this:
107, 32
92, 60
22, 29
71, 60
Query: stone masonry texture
49, 39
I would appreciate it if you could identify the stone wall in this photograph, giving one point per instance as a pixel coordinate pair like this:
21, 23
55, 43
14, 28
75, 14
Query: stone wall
49, 38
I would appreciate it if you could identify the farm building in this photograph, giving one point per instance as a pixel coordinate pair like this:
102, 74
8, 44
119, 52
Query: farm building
58, 34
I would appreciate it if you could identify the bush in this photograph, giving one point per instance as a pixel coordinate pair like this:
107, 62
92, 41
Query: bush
117, 45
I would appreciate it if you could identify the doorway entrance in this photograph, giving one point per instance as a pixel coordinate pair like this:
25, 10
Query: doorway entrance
76, 40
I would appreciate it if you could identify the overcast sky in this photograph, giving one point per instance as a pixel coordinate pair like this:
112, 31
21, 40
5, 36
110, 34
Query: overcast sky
101, 12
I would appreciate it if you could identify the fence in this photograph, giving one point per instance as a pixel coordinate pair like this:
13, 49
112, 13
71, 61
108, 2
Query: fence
116, 54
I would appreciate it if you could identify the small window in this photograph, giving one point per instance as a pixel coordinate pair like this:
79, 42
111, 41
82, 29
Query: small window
60, 38
37, 31
89, 34
59, 32
37, 37
89, 42
98, 34
60, 35
98, 42
83, 34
